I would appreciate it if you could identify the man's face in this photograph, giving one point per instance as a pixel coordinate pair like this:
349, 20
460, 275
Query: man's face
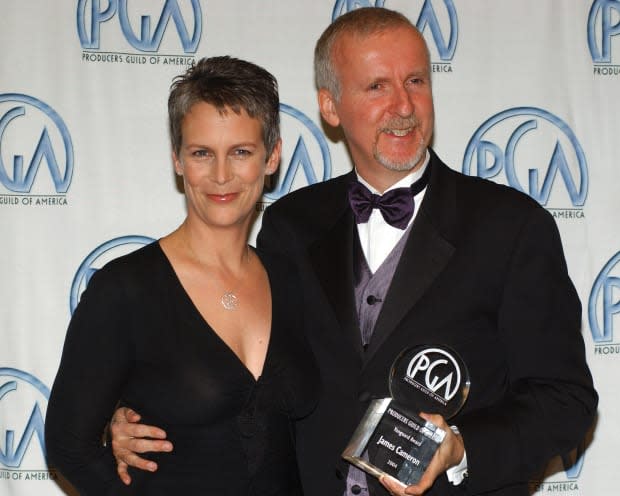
385, 105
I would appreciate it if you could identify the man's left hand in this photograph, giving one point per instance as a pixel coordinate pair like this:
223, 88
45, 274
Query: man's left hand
449, 454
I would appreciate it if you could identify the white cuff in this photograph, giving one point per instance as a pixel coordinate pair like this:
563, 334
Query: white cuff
456, 475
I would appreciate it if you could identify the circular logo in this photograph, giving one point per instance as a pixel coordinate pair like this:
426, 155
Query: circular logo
100, 256
33, 137
430, 378
534, 149
603, 26
23, 403
143, 24
603, 308
305, 154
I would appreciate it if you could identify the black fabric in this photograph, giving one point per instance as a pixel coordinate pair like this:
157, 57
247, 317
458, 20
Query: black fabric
482, 272
137, 337
396, 205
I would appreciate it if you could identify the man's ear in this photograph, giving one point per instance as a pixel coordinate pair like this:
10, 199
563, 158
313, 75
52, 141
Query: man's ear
327, 106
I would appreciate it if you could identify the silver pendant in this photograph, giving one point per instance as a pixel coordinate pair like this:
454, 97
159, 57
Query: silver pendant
229, 301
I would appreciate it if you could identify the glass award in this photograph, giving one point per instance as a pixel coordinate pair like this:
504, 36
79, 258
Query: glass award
392, 438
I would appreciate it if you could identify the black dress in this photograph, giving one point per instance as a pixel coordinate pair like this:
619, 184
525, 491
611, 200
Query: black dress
137, 338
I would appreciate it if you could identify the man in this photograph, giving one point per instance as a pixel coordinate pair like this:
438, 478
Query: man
477, 266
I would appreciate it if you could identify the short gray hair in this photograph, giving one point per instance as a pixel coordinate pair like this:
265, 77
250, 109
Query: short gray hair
226, 82
361, 22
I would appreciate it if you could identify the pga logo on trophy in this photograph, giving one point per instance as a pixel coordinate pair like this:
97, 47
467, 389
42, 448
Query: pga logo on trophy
392, 438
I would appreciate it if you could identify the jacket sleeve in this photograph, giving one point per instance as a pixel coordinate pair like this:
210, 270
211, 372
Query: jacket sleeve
269, 236
551, 401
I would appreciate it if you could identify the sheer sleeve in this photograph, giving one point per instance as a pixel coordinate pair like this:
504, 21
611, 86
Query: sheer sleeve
95, 363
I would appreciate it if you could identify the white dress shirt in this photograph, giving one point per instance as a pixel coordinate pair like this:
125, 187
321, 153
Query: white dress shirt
377, 237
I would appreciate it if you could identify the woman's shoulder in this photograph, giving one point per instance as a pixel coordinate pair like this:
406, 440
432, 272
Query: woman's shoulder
138, 260
130, 271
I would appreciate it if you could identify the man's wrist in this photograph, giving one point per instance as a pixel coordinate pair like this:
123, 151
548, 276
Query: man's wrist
458, 474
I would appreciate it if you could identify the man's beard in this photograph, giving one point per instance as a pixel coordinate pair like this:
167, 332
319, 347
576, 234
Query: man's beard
408, 163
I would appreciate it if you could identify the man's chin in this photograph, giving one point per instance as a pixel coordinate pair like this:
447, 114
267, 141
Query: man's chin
402, 164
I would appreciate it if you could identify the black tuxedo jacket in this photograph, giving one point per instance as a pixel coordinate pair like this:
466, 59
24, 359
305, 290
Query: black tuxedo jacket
483, 271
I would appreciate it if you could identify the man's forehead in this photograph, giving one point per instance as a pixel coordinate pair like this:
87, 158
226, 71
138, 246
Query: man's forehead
398, 30
361, 42
353, 45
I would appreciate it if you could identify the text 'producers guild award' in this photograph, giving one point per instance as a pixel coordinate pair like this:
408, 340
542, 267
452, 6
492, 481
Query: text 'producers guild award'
392, 438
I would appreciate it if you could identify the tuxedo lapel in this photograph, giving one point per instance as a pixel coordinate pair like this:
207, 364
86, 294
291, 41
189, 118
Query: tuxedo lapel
427, 251
331, 257
424, 256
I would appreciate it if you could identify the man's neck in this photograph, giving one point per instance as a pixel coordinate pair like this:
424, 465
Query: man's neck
382, 179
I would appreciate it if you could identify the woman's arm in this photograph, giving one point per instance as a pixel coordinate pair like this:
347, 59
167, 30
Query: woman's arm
95, 364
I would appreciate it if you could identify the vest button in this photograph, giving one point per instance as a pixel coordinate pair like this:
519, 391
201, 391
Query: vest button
372, 299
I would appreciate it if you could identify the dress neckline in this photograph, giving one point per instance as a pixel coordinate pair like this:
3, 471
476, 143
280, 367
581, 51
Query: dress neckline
197, 316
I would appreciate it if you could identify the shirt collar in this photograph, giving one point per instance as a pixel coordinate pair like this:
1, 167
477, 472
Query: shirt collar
406, 181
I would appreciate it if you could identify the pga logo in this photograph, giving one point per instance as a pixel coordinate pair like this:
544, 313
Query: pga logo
98, 258
536, 151
23, 402
565, 470
305, 154
436, 369
143, 25
604, 302
33, 137
603, 26
439, 16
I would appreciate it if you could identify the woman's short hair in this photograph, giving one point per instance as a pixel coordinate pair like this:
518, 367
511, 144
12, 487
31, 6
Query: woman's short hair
226, 83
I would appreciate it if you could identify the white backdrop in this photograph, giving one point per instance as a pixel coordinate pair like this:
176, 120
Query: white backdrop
526, 92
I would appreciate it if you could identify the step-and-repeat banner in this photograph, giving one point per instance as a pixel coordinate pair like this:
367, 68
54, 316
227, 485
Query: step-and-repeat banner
526, 93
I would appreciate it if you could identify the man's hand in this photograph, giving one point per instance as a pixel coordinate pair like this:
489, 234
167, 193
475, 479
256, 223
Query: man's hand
449, 454
129, 438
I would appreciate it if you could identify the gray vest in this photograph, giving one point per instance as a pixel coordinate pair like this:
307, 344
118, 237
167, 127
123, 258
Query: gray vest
371, 289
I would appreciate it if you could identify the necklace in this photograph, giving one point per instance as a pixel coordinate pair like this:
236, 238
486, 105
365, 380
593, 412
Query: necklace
229, 299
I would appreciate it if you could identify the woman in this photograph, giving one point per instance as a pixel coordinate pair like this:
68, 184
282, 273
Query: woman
198, 332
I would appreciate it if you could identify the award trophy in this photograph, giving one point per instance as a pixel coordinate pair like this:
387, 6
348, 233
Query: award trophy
391, 437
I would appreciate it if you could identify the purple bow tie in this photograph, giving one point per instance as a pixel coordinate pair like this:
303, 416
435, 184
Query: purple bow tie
396, 206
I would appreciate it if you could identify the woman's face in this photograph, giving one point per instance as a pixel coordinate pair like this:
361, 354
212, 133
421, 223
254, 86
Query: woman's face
223, 162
